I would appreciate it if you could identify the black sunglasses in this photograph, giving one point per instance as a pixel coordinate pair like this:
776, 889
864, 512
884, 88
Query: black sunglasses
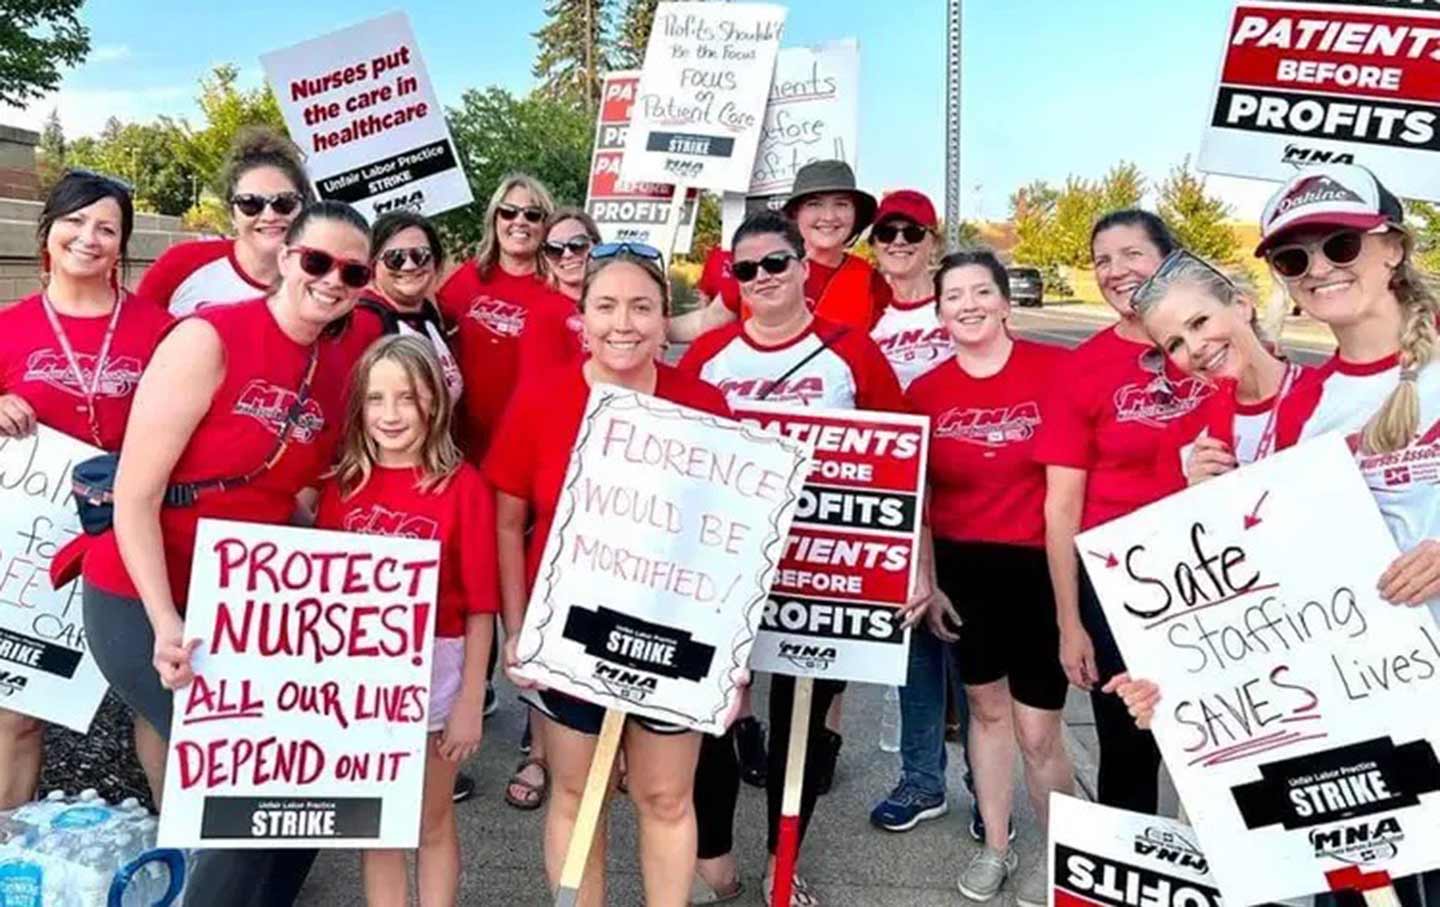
576, 245
510, 212
282, 203
394, 259
746, 270
317, 263
1294, 259
886, 232
637, 249
1170, 263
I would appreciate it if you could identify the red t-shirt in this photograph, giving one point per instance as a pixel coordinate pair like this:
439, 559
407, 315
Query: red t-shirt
491, 315
554, 335
1107, 414
532, 448
190, 275
717, 280
851, 373
460, 515
985, 485
881, 295
263, 371
33, 365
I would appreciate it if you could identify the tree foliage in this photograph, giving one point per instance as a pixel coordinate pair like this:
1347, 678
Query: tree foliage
1424, 219
50, 153
37, 39
226, 109
1199, 220
575, 51
149, 156
633, 34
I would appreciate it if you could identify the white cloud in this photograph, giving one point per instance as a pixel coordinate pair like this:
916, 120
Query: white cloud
84, 111
109, 53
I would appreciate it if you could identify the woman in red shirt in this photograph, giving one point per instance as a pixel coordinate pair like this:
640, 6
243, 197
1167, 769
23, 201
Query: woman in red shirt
987, 497
265, 186
400, 474
491, 299
624, 305
555, 333
1106, 420
70, 357
251, 394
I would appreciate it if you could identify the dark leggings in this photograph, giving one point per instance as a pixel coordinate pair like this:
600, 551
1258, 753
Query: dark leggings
1129, 759
122, 642
717, 776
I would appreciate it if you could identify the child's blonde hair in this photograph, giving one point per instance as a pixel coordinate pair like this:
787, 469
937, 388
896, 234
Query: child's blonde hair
439, 457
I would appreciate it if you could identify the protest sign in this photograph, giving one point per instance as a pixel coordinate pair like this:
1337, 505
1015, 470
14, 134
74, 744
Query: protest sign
1105, 857
306, 723
666, 538
812, 114
46, 669
1297, 714
701, 98
851, 557
625, 211
361, 107
1353, 82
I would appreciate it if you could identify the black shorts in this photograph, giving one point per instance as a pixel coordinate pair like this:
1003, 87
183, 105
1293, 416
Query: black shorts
586, 717
1007, 605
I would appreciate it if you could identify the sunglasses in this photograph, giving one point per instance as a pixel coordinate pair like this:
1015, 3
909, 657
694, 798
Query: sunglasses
1152, 360
775, 263
637, 249
885, 233
1293, 260
282, 203
394, 259
317, 263
1170, 263
575, 245
510, 212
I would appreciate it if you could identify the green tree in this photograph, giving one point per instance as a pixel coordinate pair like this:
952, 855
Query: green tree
707, 226
1077, 207
633, 34
1122, 187
50, 153
1424, 218
496, 132
1032, 212
226, 109
37, 39
1198, 219
574, 50
149, 156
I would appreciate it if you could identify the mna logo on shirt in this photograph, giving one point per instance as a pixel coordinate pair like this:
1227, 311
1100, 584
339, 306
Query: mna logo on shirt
269, 404
51, 367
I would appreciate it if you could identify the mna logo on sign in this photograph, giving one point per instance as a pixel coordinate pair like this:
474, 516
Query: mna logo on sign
629, 685
1300, 155
1162, 844
811, 658
1359, 843
414, 202
11, 683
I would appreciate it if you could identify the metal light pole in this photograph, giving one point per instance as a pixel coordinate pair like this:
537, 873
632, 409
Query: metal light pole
952, 124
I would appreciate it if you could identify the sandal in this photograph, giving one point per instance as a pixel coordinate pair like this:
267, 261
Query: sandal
702, 893
800, 893
533, 794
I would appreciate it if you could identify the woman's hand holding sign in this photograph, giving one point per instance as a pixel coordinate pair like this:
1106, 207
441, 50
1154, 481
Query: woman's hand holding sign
1140, 697
1414, 577
172, 654
1208, 458
17, 418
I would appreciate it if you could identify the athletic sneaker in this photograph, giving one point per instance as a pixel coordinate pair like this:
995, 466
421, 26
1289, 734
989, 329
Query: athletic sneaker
977, 824
492, 702
750, 750
907, 807
464, 788
987, 871
1034, 887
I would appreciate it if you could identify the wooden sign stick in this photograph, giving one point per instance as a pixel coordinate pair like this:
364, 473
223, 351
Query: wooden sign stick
597, 788
787, 844
1383, 896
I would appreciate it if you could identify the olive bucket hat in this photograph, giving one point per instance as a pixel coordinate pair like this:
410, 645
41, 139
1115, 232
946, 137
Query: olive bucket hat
818, 177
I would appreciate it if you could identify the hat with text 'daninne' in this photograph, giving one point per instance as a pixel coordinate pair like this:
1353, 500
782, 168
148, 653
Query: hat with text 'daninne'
1328, 195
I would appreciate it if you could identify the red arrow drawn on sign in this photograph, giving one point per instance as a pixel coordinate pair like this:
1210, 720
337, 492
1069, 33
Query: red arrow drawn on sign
1111, 562
1252, 519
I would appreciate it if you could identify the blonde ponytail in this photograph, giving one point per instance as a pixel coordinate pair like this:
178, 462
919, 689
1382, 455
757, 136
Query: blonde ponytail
1395, 425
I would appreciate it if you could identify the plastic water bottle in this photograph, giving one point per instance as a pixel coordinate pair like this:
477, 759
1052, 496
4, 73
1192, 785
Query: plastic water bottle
890, 721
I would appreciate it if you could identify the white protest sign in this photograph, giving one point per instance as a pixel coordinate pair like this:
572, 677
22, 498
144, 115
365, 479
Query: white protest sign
1297, 709
625, 211
306, 723
1352, 81
812, 115
852, 555
360, 105
669, 530
1105, 857
46, 669
702, 94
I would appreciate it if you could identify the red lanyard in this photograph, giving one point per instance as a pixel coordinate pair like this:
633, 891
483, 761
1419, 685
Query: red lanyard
100, 358
1267, 437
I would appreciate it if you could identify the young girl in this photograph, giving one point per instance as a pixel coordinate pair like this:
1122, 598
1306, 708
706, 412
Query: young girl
400, 474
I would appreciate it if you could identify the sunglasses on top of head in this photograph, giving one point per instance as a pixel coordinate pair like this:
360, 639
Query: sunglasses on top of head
575, 245
317, 263
636, 249
746, 270
394, 259
885, 233
1293, 260
509, 212
251, 204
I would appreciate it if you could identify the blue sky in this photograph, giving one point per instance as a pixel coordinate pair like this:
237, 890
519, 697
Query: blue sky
1051, 87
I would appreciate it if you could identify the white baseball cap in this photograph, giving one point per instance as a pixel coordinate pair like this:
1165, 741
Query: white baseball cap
1328, 195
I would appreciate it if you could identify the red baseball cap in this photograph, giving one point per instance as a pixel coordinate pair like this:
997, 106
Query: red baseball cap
1328, 195
909, 204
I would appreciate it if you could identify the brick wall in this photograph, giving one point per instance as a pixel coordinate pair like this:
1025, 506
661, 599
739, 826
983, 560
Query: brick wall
18, 178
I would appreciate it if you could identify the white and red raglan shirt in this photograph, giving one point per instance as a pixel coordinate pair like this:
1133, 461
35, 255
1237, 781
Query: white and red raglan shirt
192, 275
912, 338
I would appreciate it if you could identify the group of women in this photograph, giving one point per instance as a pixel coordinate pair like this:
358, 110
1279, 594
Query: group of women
315, 368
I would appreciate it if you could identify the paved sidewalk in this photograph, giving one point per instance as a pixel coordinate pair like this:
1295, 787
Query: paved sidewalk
850, 863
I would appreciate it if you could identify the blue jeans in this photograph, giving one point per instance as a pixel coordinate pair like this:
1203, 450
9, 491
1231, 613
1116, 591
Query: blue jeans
922, 713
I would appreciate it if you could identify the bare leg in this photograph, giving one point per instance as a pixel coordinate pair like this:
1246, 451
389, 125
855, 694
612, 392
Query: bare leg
1047, 765
437, 865
22, 751
836, 713
662, 781
992, 758
150, 749
570, 753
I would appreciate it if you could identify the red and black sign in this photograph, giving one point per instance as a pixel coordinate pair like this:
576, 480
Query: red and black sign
279, 818
639, 644
1089, 880
29, 652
